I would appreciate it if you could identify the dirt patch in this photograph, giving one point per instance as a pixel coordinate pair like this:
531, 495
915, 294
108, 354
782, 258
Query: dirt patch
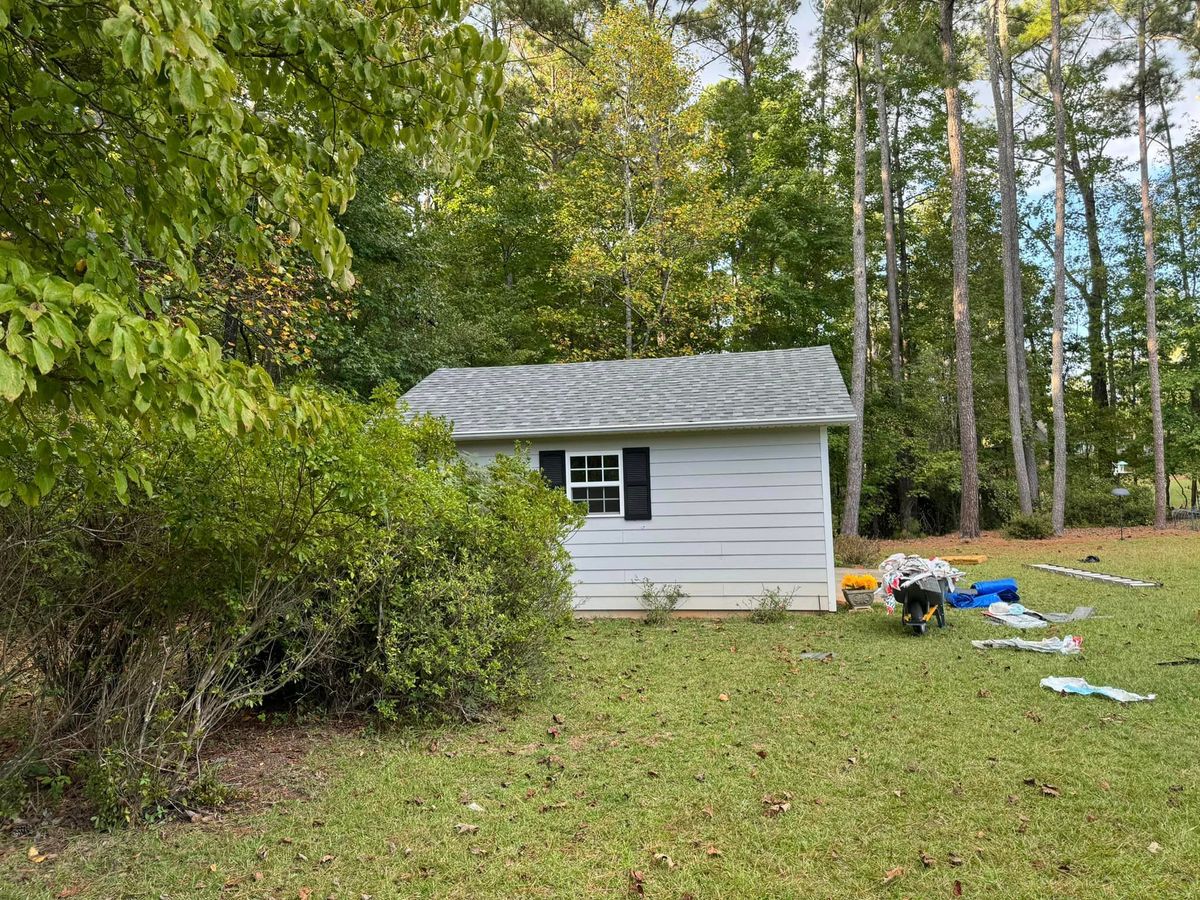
262, 763
995, 542
265, 764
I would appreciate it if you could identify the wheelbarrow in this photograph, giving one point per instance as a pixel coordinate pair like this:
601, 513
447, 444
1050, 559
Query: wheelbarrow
921, 601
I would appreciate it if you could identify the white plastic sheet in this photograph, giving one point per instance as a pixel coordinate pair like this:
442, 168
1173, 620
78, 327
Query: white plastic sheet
1080, 686
1067, 646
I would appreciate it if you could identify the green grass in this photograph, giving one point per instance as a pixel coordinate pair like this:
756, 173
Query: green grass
900, 746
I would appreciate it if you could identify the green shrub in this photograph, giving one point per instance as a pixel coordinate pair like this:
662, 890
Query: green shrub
771, 606
366, 567
123, 790
853, 551
1090, 504
659, 600
1034, 527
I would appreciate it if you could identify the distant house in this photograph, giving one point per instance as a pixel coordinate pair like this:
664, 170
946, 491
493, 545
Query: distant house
711, 472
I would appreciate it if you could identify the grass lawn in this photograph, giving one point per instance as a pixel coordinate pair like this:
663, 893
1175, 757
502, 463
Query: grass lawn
901, 747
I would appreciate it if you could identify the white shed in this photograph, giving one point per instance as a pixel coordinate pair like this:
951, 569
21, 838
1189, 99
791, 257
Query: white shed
710, 472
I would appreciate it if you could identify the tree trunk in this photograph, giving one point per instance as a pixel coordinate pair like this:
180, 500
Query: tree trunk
626, 275
968, 525
889, 220
1160, 465
1015, 296
1011, 261
1184, 265
901, 236
1096, 297
1058, 506
858, 370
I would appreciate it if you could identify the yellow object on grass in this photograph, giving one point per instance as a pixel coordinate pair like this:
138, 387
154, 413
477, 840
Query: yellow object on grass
859, 583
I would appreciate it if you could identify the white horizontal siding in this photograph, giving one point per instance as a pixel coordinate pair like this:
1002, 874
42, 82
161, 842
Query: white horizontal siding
734, 513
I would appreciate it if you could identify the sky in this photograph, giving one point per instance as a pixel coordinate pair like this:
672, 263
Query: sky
1185, 112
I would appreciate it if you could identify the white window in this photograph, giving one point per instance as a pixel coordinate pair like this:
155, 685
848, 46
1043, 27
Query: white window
595, 479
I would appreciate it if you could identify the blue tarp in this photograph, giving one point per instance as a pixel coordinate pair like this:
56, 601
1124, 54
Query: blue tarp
984, 593
994, 587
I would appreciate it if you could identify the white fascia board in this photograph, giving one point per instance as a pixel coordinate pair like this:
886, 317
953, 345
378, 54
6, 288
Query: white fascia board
646, 427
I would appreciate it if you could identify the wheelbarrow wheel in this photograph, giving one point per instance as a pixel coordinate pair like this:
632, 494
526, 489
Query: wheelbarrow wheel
918, 628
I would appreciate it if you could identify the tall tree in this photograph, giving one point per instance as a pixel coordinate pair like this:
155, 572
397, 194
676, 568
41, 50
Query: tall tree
1059, 495
742, 31
968, 525
639, 209
889, 217
1156, 414
858, 366
1014, 329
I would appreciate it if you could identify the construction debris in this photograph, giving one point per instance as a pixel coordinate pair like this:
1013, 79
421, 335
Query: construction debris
965, 560
1067, 646
1095, 576
1080, 612
1014, 615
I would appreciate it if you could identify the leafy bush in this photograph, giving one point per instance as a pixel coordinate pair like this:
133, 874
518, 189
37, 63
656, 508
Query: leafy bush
367, 567
771, 606
1034, 527
1090, 504
659, 600
852, 550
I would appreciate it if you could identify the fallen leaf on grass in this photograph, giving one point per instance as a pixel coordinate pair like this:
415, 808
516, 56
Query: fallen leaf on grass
1104, 785
707, 811
466, 828
36, 857
258, 876
1050, 790
892, 874
558, 719
957, 888
663, 860
1154, 846
637, 882
69, 891
326, 859
774, 805
212, 867
305, 893
724, 698
954, 859
474, 807
478, 851
927, 860
712, 851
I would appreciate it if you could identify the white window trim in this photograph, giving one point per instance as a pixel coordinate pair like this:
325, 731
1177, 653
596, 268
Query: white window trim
619, 484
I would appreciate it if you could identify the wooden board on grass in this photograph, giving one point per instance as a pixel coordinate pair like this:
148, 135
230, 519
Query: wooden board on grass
977, 560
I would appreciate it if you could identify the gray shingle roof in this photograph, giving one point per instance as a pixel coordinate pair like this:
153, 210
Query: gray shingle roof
729, 390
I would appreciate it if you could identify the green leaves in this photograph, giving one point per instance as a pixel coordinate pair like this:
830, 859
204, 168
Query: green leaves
174, 122
12, 377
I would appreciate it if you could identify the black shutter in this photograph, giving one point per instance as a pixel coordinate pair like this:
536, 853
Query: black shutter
636, 462
553, 464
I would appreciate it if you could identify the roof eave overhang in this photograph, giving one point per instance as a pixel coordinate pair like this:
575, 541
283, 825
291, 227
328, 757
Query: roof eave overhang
646, 427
